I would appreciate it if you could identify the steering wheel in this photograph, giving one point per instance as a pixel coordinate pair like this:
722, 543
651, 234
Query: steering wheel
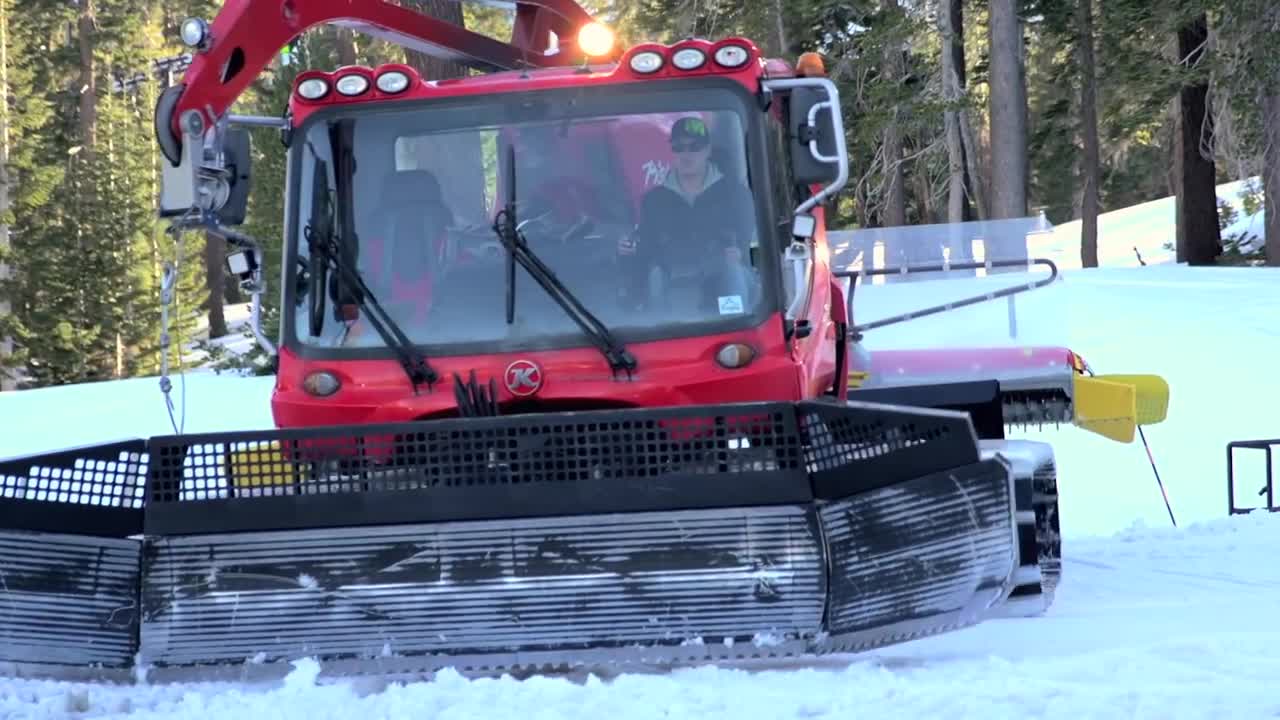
478, 243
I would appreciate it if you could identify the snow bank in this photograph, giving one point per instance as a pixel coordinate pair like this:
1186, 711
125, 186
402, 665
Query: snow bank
48, 419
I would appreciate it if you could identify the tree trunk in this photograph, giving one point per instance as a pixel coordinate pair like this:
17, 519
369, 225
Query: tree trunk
215, 252
87, 84
975, 197
1271, 176
924, 194
1199, 238
973, 174
895, 199
1008, 113
432, 68
7, 381
953, 40
231, 290
1089, 121
345, 41
780, 28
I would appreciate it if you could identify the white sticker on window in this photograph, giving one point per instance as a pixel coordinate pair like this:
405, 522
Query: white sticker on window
731, 305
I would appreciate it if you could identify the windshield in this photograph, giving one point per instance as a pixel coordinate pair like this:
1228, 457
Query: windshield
646, 216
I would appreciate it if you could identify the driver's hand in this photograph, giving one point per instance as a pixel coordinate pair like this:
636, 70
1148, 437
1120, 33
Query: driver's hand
627, 245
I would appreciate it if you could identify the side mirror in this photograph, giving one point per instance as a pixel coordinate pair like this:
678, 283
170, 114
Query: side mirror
814, 150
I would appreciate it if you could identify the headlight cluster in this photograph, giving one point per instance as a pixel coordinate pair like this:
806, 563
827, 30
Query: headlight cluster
389, 82
728, 56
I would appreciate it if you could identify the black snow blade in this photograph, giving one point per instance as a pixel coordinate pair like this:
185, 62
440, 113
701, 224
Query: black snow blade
604, 538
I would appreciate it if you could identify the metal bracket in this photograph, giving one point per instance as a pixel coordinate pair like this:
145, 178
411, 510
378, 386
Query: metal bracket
1268, 489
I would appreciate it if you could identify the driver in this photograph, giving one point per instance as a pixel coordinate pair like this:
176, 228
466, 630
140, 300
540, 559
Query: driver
698, 219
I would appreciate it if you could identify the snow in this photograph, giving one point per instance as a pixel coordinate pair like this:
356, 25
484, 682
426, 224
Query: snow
48, 419
1145, 229
1150, 621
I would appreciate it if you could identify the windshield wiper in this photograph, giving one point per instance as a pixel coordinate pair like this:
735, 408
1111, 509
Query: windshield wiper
415, 364
325, 246
508, 231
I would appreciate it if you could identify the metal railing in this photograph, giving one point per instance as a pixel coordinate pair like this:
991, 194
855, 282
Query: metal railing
1268, 489
853, 275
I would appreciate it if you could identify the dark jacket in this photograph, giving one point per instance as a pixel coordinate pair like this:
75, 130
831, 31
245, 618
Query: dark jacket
674, 230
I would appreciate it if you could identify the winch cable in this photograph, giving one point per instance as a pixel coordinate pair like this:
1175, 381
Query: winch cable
168, 295
1150, 458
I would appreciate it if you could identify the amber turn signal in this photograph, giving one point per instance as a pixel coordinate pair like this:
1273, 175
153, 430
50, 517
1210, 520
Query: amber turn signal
810, 65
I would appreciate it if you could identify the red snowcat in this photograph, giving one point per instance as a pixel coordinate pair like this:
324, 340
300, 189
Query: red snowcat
562, 380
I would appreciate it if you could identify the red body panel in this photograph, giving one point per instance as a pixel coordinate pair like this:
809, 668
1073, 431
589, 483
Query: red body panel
672, 372
817, 352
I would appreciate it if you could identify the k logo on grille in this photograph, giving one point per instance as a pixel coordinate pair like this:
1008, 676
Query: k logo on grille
523, 378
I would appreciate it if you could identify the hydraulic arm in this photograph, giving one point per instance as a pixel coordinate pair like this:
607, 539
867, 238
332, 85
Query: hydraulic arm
247, 34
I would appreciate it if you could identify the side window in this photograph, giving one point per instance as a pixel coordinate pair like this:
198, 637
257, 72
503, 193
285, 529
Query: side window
787, 194
785, 197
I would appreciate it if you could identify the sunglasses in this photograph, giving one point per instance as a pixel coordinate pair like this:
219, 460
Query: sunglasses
687, 147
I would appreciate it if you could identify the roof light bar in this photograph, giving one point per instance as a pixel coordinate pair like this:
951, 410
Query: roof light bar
647, 62
689, 59
313, 88
392, 82
352, 85
731, 56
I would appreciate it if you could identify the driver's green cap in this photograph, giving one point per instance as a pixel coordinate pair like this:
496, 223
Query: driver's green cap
691, 129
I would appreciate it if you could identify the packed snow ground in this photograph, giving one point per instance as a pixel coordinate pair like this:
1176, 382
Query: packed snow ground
1149, 621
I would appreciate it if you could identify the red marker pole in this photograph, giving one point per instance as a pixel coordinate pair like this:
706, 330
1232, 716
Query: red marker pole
1150, 458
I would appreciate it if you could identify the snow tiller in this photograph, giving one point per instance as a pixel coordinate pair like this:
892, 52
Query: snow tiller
593, 538
562, 378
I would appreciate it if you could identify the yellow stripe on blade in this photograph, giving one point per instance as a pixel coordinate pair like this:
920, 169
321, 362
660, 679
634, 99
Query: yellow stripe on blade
1105, 407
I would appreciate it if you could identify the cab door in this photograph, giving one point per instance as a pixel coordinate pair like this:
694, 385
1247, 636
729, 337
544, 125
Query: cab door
812, 331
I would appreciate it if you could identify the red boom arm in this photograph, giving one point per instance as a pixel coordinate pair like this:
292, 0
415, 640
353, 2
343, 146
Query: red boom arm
247, 34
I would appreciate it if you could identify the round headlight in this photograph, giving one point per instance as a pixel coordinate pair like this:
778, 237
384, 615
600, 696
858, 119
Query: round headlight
735, 355
646, 62
194, 32
731, 56
689, 59
393, 81
313, 88
352, 84
321, 384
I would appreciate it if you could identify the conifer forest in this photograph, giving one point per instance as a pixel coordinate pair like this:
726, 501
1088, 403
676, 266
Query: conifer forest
955, 110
